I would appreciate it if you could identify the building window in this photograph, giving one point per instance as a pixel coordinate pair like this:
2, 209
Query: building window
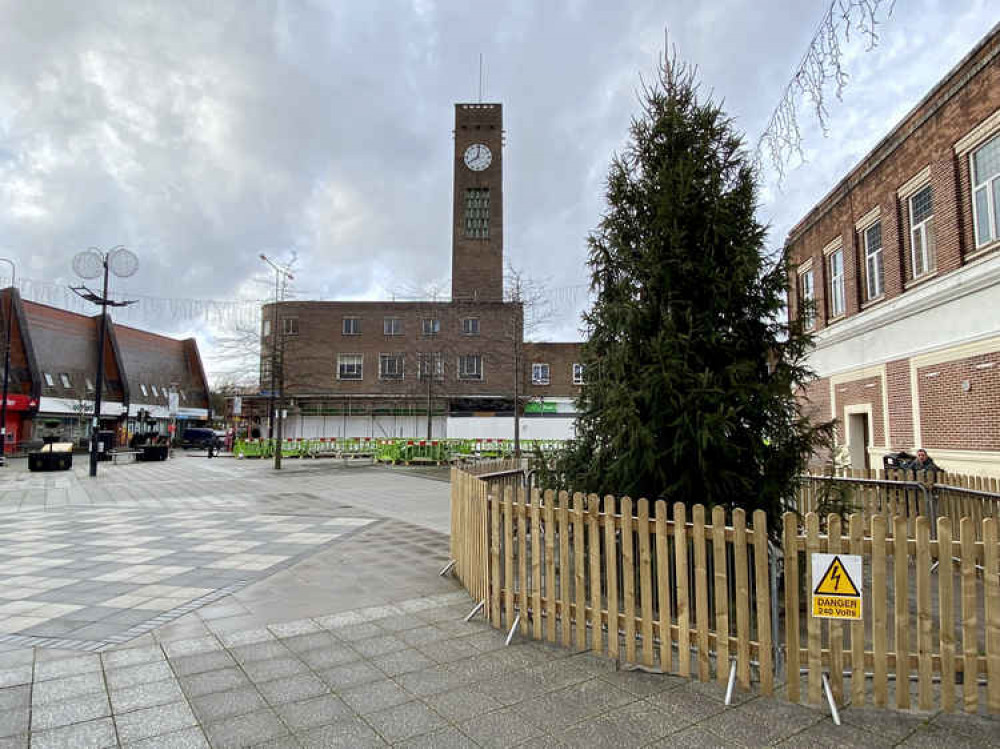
539, 374
470, 367
90, 384
578, 374
836, 266
66, 382
986, 191
873, 260
265, 371
352, 326
470, 326
477, 213
350, 367
392, 326
143, 389
48, 379
290, 325
807, 297
430, 326
156, 393
922, 231
267, 326
390, 366
429, 363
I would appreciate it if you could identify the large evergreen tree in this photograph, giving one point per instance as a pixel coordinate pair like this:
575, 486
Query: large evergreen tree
691, 370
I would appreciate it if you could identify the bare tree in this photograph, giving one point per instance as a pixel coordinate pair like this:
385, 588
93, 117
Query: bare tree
535, 310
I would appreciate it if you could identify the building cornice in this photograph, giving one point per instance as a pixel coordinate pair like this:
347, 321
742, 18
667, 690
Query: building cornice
968, 280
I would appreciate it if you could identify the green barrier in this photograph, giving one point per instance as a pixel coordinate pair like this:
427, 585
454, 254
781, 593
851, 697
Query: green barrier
391, 450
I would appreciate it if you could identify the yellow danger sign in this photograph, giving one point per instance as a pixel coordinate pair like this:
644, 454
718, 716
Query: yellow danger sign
837, 586
836, 581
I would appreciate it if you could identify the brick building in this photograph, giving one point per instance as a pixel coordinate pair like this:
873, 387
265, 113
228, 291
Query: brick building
900, 264
403, 369
53, 361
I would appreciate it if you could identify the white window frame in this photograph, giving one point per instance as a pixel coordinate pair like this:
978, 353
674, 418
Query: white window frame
838, 296
392, 326
48, 379
156, 393
541, 373
265, 369
464, 374
143, 389
470, 326
428, 359
578, 373
65, 380
990, 186
355, 323
925, 231
267, 327
430, 326
290, 326
393, 357
360, 364
807, 297
874, 256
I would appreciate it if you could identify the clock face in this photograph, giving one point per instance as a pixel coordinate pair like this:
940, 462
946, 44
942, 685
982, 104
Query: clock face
478, 157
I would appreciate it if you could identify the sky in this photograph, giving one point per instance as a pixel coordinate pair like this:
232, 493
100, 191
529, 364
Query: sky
200, 135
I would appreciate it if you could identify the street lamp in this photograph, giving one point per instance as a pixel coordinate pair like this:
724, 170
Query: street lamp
6, 364
276, 382
91, 264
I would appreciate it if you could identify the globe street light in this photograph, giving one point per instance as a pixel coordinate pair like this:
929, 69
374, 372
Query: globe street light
91, 264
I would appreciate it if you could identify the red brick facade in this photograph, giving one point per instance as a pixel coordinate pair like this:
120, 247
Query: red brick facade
942, 374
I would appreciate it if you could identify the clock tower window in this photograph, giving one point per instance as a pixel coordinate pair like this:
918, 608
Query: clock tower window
477, 213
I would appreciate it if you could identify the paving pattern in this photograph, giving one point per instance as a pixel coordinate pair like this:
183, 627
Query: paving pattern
86, 578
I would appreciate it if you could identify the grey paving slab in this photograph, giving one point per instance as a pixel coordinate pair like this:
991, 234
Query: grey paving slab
274, 668
188, 738
501, 728
349, 675
405, 721
58, 690
310, 713
75, 710
154, 721
13, 697
146, 695
221, 705
90, 735
347, 733
14, 721
375, 696
245, 730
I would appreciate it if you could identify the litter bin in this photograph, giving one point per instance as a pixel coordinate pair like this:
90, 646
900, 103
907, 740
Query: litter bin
896, 461
105, 444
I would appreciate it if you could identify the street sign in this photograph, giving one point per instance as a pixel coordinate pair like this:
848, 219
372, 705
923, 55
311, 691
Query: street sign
837, 586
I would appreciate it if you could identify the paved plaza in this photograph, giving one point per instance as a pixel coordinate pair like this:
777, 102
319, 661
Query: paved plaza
217, 603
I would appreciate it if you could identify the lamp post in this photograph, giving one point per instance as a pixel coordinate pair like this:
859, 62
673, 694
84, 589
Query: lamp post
275, 407
93, 263
6, 363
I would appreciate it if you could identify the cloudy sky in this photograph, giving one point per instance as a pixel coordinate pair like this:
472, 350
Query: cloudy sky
202, 134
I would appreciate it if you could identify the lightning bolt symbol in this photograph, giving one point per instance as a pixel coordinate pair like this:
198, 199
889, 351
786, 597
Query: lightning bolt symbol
835, 576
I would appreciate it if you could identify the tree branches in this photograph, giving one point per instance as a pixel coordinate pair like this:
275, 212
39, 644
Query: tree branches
821, 66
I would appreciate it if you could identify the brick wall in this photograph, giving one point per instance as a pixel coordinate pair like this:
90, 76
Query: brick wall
897, 375
926, 137
560, 357
953, 418
311, 354
865, 390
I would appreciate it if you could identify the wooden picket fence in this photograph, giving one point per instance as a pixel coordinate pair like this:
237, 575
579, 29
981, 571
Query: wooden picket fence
665, 589
927, 633
675, 594
907, 493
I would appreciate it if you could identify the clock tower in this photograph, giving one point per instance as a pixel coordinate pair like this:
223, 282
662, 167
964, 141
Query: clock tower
477, 217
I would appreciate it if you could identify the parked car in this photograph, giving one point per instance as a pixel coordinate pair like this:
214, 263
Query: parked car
200, 437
